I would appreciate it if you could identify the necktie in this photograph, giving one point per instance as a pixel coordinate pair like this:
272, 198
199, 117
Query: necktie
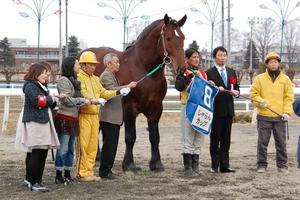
224, 77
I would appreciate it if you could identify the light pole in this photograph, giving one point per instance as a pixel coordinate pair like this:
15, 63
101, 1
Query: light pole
283, 12
251, 23
39, 9
211, 16
123, 8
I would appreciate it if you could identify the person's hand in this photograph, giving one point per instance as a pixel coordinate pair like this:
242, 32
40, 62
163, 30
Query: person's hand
55, 97
101, 101
211, 83
124, 91
87, 101
132, 84
62, 96
285, 117
235, 93
221, 89
263, 104
93, 101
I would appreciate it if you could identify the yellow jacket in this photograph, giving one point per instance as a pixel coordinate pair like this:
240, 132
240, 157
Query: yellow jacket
279, 95
92, 88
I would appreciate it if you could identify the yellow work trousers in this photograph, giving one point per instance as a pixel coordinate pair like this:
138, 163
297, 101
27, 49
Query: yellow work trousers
87, 144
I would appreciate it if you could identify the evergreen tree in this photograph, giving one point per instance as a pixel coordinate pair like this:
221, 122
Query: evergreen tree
194, 45
255, 58
73, 46
7, 60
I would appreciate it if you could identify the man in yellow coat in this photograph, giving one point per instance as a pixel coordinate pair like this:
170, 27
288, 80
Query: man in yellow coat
87, 143
273, 90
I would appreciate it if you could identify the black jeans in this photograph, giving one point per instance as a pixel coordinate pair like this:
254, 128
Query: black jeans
110, 134
35, 164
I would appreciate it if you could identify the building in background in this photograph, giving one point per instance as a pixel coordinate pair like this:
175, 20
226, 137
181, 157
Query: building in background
26, 54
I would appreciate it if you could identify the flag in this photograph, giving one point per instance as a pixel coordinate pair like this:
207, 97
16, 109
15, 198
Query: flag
200, 105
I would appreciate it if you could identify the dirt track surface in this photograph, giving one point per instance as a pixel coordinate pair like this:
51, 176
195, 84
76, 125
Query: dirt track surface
170, 184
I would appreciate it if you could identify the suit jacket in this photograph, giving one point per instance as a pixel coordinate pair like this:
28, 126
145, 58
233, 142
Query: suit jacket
223, 104
112, 111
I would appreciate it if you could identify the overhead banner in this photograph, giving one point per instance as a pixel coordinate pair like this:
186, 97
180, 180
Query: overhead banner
200, 105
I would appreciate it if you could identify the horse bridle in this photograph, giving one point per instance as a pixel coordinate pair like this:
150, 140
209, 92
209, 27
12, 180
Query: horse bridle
166, 60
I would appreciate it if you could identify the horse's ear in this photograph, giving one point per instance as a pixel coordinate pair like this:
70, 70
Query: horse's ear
166, 19
182, 21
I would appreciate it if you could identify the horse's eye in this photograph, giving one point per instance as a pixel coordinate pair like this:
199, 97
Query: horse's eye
168, 38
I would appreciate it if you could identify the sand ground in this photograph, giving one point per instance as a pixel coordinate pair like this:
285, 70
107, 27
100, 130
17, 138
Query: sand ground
170, 184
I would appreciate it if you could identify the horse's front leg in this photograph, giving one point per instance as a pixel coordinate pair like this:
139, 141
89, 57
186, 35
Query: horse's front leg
130, 138
153, 120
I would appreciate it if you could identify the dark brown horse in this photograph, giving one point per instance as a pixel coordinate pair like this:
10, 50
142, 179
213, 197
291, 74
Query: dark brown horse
159, 43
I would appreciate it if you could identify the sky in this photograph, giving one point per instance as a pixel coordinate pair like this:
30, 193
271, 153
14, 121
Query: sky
86, 20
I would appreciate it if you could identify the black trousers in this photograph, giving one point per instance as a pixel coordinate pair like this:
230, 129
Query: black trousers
110, 134
35, 165
220, 142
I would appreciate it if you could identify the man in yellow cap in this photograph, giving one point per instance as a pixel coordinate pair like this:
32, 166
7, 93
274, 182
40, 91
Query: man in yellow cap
273, 90
87, 143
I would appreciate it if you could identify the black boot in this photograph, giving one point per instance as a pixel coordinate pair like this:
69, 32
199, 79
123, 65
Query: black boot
187, 161
68, 175
59, 179
195, 164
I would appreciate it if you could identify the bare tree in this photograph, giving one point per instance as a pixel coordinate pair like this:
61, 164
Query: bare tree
135, 29
292, 49
236, 38
264, 36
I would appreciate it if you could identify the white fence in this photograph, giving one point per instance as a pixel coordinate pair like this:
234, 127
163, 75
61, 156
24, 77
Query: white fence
171, 102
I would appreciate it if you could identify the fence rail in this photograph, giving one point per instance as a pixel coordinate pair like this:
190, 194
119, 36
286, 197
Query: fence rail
171, 102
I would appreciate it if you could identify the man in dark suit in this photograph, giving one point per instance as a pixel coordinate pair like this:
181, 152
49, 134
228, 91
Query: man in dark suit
111, 116
225, 78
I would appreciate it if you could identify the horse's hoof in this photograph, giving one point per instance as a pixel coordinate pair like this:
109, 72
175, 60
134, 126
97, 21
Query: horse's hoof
131, 167
156, 166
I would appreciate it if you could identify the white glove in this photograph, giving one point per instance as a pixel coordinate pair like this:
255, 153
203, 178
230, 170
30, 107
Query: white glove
263, 104
124, 91
101, 101
285, 117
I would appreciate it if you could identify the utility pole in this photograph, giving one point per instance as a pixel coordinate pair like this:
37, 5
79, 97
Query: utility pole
228, 32
60, 37
67, 40
223, 42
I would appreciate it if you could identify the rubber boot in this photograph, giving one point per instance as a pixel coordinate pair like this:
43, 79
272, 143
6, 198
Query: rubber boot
195, 164
187, 161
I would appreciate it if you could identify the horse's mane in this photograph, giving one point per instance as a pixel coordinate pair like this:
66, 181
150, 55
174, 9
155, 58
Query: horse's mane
147, 30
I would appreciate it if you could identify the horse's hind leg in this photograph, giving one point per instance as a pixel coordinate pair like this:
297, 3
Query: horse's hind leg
130, 137
153, 120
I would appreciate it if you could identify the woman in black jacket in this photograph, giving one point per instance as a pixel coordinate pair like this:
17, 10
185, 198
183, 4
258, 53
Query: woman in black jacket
35, 132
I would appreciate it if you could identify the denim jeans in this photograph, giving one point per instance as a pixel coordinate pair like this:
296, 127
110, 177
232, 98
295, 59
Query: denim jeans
65, 154
298, 152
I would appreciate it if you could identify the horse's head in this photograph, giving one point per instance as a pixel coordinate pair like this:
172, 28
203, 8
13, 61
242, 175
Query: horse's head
172, 40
